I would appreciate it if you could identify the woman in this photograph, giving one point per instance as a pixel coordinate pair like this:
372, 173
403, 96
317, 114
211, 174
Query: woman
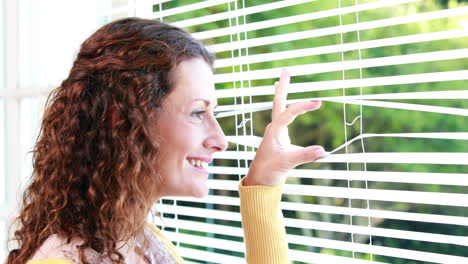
133, 122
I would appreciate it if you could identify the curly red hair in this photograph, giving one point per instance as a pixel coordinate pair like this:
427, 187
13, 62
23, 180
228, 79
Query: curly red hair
95, 160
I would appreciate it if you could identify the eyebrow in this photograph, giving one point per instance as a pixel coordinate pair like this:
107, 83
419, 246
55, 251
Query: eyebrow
207, 102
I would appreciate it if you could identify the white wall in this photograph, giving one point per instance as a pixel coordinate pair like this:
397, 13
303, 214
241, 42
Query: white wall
39, 40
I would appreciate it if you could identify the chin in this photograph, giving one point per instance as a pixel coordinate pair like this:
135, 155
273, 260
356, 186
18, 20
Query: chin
201, 192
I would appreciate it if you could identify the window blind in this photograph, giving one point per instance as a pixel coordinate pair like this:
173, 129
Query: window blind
392, 76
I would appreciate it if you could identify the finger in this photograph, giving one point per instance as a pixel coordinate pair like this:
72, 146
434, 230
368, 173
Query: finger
276, 110
305, 155
288, 116
281, 93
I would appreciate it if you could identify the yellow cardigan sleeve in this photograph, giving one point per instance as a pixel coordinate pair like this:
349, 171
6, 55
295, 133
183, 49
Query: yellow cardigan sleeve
262, 221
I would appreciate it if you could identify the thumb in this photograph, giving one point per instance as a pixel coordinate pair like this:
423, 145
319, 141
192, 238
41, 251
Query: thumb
305, 155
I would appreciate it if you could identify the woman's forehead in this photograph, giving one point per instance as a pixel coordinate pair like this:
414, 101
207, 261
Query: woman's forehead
194, 82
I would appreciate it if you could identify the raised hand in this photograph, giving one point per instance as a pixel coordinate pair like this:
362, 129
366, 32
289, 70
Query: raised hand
275, 156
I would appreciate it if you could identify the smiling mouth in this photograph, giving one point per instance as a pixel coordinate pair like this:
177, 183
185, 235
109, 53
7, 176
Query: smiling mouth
200, 164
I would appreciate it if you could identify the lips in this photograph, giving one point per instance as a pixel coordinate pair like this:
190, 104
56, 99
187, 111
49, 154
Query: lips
200, 163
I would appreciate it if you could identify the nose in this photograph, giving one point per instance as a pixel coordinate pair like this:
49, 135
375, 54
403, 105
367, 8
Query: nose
216, 139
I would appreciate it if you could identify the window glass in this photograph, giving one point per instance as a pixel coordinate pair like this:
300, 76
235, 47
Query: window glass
29, 129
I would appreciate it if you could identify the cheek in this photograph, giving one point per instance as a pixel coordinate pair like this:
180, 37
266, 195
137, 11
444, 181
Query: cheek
175, 136
178, 142
179, 139
184, 140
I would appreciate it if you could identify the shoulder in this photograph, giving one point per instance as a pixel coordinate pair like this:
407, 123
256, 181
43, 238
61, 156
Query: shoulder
153, 228
55, 250
158, 233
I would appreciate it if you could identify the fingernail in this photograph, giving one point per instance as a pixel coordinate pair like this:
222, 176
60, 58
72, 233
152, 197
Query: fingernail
285, 71
319, 102
324, 156
319, 152
312, 105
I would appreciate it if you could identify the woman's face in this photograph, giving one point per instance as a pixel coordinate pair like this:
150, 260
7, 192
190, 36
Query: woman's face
188, 131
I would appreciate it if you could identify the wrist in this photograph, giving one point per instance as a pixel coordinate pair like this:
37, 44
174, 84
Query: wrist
251, 181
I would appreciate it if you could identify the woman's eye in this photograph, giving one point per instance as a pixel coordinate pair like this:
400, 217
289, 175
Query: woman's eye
199, 114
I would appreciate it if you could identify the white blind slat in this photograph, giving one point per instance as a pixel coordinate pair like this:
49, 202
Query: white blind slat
352, 83
205, 255
190, 7
460, 11
448, 158
407, 106
376, 43
327, 209
237, 13
457, 179
299, 18
379, 250
231, 110
346, 65
318, 225
384, 251
326, 259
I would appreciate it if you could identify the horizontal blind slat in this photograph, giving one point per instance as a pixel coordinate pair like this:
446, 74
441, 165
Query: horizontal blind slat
190, 7
325, 209
298, 18
237, 12
447, 95
434, 198
307, 69
205, 255
458, 179
211, 199
338, 29
382, 250
200, 212
449, 158
199, 226
319, 258
324, 226
327, 243
376, 43
350, 83
339, 210
206, 241
374, 231
156, 2
377, 213
408, 106
352, 101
